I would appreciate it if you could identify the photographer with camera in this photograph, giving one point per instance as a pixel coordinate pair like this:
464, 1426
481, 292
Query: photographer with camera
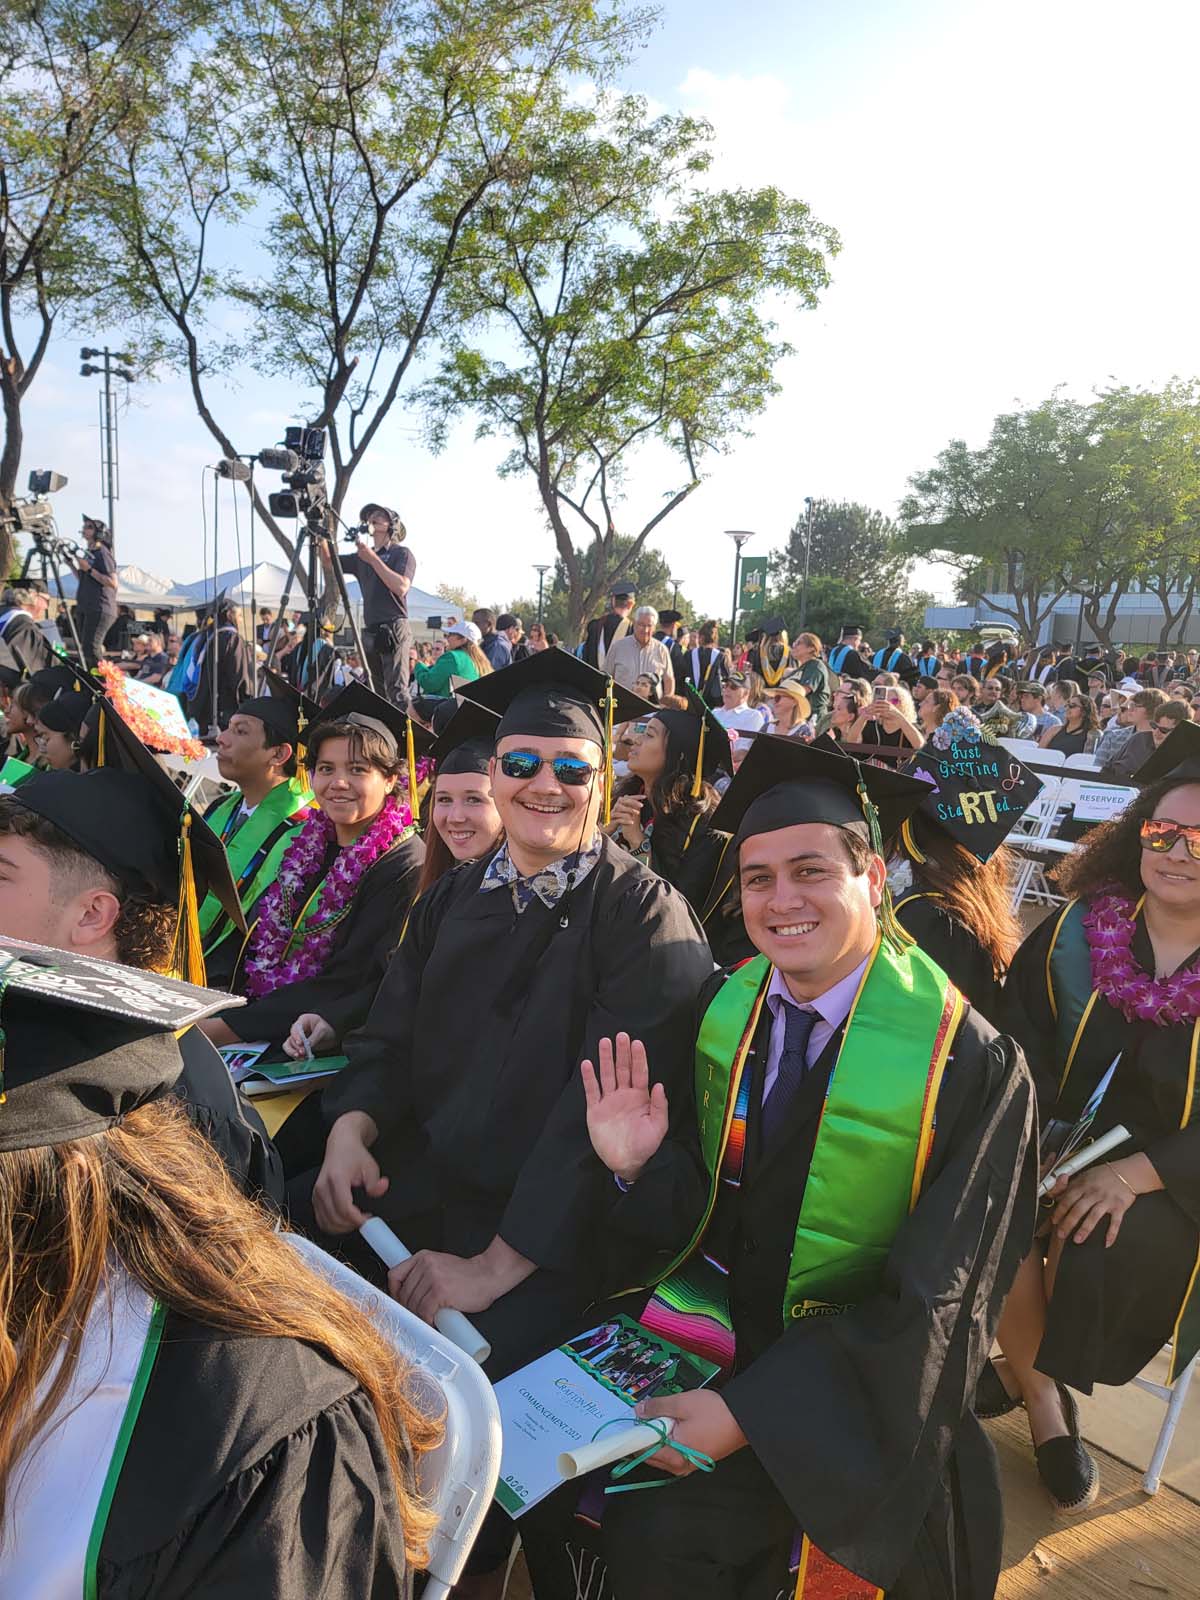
385, 571
96, 595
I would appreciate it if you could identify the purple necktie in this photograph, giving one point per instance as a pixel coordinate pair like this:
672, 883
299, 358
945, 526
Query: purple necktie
793, 1064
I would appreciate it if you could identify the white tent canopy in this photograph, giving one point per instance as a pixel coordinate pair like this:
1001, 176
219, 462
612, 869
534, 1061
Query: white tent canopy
262, 585
135, 587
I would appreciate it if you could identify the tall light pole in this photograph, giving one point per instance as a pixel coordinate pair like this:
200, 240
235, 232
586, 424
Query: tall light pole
739, 537
541, 572
110, 369
808, 506
675, 583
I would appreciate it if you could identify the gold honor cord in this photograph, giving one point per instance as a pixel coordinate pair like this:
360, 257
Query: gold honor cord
610, 701
412, 771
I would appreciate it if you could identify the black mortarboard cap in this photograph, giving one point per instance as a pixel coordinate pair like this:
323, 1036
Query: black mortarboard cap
783, 782
668, 619
851, 627
976, 792
85, 1041
305, 710
698, 739
65, 713
467, 741
1177, 756
623, 586
772, 625
53, 680
357, 703
555, 695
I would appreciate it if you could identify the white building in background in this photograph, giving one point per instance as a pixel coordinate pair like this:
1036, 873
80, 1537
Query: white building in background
1138, 619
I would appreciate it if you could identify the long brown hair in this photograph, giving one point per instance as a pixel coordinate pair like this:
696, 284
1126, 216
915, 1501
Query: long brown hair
439, 858
975, 893
151, 1193
1110, 856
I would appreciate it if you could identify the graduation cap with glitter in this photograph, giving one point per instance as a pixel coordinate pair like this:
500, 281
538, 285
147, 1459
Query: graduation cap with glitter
362, 707
783, 782
83, 1042
553, 695
466, 741
975, 791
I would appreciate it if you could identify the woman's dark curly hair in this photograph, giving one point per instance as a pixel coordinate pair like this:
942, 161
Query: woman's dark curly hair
1110, 856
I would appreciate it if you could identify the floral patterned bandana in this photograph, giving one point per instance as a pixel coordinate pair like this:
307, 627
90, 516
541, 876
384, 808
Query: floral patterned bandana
549, 885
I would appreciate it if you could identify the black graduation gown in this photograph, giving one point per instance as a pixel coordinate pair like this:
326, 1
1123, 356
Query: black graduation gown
599, 628
28, 644
955, 949
704, 874
711, 675
362, 945
256, 1471
230, 1124
1113, 1309
469, 1066
851, 665
859, 1426
235, 679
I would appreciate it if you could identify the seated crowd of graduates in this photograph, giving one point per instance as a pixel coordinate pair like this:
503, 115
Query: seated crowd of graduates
753, 1031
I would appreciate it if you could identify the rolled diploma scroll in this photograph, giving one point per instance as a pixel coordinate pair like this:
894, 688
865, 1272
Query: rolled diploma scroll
613, 1445
1084, 1158
447, 1321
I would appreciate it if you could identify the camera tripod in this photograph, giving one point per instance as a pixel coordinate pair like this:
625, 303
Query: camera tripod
310, 532
43, 553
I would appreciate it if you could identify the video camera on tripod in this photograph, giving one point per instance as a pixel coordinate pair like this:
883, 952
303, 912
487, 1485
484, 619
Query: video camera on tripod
34, 517
301, 459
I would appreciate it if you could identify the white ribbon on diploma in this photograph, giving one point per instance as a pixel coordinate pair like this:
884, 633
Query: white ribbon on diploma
452, 1324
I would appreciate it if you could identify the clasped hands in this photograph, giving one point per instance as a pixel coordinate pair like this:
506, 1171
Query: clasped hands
1107, 1189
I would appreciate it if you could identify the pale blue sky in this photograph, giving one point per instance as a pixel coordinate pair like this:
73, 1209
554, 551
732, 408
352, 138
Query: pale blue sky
1014, 186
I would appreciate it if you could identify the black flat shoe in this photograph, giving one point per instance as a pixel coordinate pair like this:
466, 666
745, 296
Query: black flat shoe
992, 1399
1065, 1467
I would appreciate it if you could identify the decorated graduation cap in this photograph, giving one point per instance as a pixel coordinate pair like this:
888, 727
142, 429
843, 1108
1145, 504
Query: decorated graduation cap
553, 695
700, 739
130, 816
975, 791
363, 708
466, 741
83, 1042
1178, 756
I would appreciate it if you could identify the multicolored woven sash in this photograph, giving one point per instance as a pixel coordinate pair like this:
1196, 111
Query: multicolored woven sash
878, 1115
1074, 1004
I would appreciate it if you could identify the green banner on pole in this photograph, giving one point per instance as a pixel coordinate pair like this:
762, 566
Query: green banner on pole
752, 596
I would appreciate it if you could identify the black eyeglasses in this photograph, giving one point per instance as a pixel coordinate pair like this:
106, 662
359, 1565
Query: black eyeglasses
572, 771
1161, 731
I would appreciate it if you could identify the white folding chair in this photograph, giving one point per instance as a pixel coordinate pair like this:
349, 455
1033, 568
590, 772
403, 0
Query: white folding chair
458, 1479
1085, 761
1174, 1394
1023, 749
1030, 836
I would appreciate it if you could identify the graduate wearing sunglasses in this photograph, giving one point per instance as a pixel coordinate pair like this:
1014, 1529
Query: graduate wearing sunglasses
461, 1112
1115, 974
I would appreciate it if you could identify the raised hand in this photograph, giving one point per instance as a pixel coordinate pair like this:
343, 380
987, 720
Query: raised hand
626, 1117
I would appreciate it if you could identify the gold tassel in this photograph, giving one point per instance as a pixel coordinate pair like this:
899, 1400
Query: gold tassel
910, 844
414, 805
889, 927
610, 701
187, 956
100, 738
698, 780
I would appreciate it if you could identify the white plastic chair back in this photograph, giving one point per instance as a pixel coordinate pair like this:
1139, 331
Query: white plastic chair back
1023, 749
458, 1478
1048, 758
1083, 761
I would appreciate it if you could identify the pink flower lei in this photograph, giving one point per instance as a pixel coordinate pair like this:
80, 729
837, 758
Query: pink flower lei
282, 953
1109, 925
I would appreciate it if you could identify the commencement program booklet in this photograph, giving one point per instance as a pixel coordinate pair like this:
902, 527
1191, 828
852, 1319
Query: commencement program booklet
559, 1401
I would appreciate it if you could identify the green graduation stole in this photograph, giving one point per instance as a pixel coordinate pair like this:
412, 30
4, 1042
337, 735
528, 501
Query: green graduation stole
877, 1118
1073, 1001
255, 850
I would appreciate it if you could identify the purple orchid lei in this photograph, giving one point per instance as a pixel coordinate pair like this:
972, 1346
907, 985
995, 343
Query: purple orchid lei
282, 953
1109, 924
